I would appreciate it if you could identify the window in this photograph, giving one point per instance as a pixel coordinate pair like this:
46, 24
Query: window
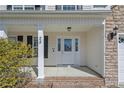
59, 44
37, 7
68, 7
9, 7
76, 44
99, 6
43, 7
58, 7
35, 42
29, 40
45, 46
29, 7
79, 7
20, 38
17, 7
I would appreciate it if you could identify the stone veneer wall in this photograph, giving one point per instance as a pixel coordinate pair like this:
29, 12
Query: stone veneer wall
111, 52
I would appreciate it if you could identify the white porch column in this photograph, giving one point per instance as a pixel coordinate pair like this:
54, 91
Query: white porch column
40, 52
3, 33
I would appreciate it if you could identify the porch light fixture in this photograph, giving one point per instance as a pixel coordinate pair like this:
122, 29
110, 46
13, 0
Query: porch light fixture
112, 34
69, 28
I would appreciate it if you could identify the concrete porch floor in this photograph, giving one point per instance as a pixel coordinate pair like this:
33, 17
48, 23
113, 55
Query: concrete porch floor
66, 77
66, 71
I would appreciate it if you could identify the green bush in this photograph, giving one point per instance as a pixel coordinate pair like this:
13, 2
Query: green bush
13, 56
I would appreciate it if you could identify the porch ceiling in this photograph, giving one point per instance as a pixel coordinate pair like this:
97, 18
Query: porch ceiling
21, 28
53, 28
74, 28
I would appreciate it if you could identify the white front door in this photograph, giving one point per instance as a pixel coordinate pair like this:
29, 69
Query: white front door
121, 58
67, 51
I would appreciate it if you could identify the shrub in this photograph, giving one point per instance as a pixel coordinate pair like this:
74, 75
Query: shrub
13, 56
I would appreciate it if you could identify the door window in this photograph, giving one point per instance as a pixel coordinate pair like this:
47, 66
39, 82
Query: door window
67, 45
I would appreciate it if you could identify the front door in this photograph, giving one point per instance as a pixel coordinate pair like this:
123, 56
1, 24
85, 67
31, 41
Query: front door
67, 51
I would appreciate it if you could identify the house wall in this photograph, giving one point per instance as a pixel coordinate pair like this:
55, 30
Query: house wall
95, 50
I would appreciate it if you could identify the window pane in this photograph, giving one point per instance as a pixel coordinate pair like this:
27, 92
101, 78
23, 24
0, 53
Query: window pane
29, 7
35, 52
79, 7
67, 45
9, 7
18, 7
58, 7
29, 40
20, 38
45, 46
59, 44
76, 44
99, 6
43, 7
37, 7
35, 42
68, 7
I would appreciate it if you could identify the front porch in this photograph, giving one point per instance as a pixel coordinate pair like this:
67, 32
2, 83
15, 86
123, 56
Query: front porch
66, 77
63, 53
55, 45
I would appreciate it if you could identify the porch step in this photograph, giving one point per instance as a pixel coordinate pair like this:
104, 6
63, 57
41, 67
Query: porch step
67, 82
